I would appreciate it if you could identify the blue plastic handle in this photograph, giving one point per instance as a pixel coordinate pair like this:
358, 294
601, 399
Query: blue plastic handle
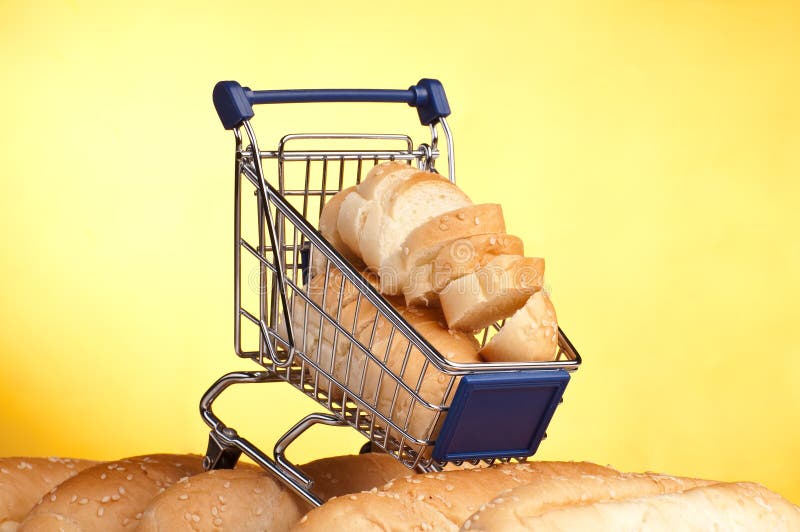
234, 103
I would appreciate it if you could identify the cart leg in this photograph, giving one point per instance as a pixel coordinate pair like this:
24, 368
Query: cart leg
219, 455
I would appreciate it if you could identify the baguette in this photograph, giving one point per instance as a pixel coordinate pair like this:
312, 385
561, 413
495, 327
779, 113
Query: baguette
23, 481
512, 508
530, 335
435, 501
109, 496
735, 506
492, 292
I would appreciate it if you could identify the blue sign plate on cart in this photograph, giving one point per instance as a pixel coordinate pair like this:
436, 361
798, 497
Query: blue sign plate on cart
500, 415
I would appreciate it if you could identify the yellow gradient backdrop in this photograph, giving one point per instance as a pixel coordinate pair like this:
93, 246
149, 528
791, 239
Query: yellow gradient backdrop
649, 150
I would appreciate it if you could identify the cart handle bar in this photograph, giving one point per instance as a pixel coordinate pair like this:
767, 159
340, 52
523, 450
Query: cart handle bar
235, 103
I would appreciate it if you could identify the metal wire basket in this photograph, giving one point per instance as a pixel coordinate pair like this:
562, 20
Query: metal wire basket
384, 379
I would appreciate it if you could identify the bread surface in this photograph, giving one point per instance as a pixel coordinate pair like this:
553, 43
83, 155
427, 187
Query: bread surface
24, 480
109, 496
530, 335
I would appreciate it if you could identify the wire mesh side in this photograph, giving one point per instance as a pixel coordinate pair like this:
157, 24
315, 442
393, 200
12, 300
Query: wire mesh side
346, 355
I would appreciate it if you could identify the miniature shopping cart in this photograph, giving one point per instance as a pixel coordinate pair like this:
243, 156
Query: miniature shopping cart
480, 412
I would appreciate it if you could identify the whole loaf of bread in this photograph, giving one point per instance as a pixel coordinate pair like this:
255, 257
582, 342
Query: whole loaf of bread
721, 506
23, 481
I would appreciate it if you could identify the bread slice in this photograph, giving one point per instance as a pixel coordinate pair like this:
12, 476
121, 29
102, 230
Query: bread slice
455, 258
367, 200
530, 335
351, 219
460, 257
383, 177
424, 242
388, 223
328, 228
492, 292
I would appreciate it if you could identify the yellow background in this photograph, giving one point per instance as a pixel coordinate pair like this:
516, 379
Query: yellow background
649, 150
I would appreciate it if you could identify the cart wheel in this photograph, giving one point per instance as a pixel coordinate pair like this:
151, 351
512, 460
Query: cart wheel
219, 456
366, 448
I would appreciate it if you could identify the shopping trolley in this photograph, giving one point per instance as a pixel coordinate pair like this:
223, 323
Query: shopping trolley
476, 412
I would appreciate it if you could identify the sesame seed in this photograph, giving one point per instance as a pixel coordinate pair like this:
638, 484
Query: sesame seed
70, 466
4, 470
223, 508
214, 511
258, 490
449, 487
353, 497
121, 490
102, 476
100, 512
24, 465
74, 498
443, 227
115, 497
195, 518
420, 497
226, 485
138, 516
52, 498
125, 521
259, 511
112, 467
187, 516
183, 497
467, 525
105, 499
129, 477
477, 220
83, 501
218, 521
221, 498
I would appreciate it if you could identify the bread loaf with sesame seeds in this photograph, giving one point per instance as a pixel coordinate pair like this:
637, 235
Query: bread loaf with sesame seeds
554, 496
339, 475
434, 501
718, 506
250, 499
23, 481
512, 508
244, 499
108, 496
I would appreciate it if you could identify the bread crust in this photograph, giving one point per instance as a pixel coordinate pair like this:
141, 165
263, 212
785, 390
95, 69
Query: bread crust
109, 496
24, 480
465, 255
491, 293
530, 335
